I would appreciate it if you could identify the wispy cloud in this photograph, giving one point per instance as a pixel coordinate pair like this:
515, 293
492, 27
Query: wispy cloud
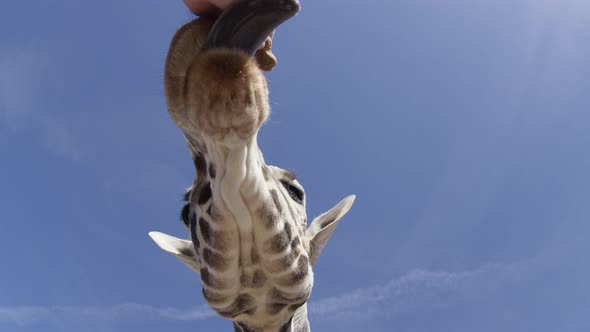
27, 315
409, 292
413, 290
21, 85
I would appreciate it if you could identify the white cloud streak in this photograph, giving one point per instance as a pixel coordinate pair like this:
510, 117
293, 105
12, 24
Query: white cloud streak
409, 292
28, 315
414, 290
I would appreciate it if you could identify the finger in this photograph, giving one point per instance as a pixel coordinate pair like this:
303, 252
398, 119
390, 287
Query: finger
202, 7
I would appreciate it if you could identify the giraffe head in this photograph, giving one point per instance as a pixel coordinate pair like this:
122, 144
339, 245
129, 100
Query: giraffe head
249, 236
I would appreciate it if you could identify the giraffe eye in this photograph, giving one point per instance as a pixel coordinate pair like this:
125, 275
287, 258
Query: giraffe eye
185, 214
295, 193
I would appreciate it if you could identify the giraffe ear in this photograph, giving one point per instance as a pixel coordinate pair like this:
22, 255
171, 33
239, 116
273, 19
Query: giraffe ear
322, 227
182, 249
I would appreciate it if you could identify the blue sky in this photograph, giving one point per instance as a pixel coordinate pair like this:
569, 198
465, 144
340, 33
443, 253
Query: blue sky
462, 126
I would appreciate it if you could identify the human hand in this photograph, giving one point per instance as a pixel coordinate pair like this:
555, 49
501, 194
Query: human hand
207, 7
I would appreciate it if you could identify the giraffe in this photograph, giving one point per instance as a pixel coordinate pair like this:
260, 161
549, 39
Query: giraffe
246, 220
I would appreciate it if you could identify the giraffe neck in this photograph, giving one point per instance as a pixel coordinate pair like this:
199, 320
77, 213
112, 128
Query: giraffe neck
250, 241
299, 323
237, 188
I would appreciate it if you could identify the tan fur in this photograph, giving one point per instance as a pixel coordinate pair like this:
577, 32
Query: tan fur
264, 56
225, 92
215, 92
187, 41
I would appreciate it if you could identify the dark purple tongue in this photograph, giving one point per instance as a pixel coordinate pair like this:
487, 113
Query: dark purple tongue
246, 24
